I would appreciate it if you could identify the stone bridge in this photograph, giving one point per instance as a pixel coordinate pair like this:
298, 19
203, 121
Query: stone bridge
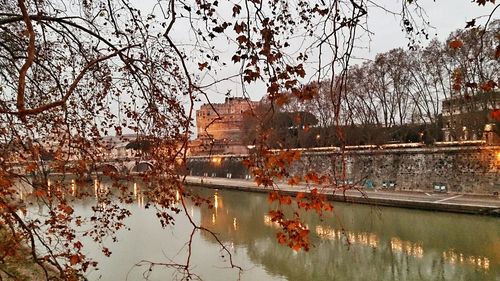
119, 166
124, 166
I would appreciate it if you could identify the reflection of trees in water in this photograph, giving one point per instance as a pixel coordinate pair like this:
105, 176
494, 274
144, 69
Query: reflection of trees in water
386, 244
237, 217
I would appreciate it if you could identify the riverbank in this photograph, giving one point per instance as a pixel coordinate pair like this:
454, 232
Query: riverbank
444, 202
17, 263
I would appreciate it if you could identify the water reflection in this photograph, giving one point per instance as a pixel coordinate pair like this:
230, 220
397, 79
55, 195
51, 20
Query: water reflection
367, 239
407, 247
359, 243
362, 242
479, 262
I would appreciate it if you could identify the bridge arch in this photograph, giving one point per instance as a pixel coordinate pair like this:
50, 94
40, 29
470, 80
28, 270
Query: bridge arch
107, 168
141, 167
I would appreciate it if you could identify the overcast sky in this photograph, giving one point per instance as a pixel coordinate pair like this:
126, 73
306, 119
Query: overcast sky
444, 16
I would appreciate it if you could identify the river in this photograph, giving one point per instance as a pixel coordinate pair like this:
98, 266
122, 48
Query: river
356, 242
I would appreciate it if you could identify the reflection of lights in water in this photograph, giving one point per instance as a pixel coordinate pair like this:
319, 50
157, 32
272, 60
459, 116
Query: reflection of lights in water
407, 247
73, 187
48, 182
216, 201
213, 218
234, 223
96, 184
453, 257
135, 189
368, 239
192, 211
177, 196
140, 200
268, 221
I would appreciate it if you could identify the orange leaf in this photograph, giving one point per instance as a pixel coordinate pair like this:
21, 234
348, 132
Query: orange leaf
202, 66
456, 44
236, 10
5, 183
495, 114
285, 200
247, 163
240, 27
282, 100
299, 196
311, 177
65, 208
39, 192
74, 259
281, 238
273, 196
31, 167
294, 181
328, 207
488, 86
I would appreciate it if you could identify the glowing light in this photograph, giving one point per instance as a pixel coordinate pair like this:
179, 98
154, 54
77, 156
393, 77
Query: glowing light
234, 223
367, 239
140, 200
453, 257
407, 247
216, 201
213, 218
216, 160
73, 187
177, 196
96, 185
135, 189
269, 222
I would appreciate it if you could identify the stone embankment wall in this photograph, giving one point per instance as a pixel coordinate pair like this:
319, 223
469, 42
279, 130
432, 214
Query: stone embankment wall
464, 169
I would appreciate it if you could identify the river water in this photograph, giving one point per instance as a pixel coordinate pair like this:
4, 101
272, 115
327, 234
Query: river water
356, 242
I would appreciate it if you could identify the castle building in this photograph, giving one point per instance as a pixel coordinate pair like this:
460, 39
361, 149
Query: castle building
219, 127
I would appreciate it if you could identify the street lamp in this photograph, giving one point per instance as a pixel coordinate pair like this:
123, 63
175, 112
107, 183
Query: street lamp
251, 158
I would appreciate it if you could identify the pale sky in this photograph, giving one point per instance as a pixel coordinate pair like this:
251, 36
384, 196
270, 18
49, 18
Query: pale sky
444, 16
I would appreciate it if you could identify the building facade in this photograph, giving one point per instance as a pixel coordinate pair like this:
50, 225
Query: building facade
219, 127
467, 117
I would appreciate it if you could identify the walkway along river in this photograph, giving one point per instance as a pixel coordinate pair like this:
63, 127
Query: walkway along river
459, 203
